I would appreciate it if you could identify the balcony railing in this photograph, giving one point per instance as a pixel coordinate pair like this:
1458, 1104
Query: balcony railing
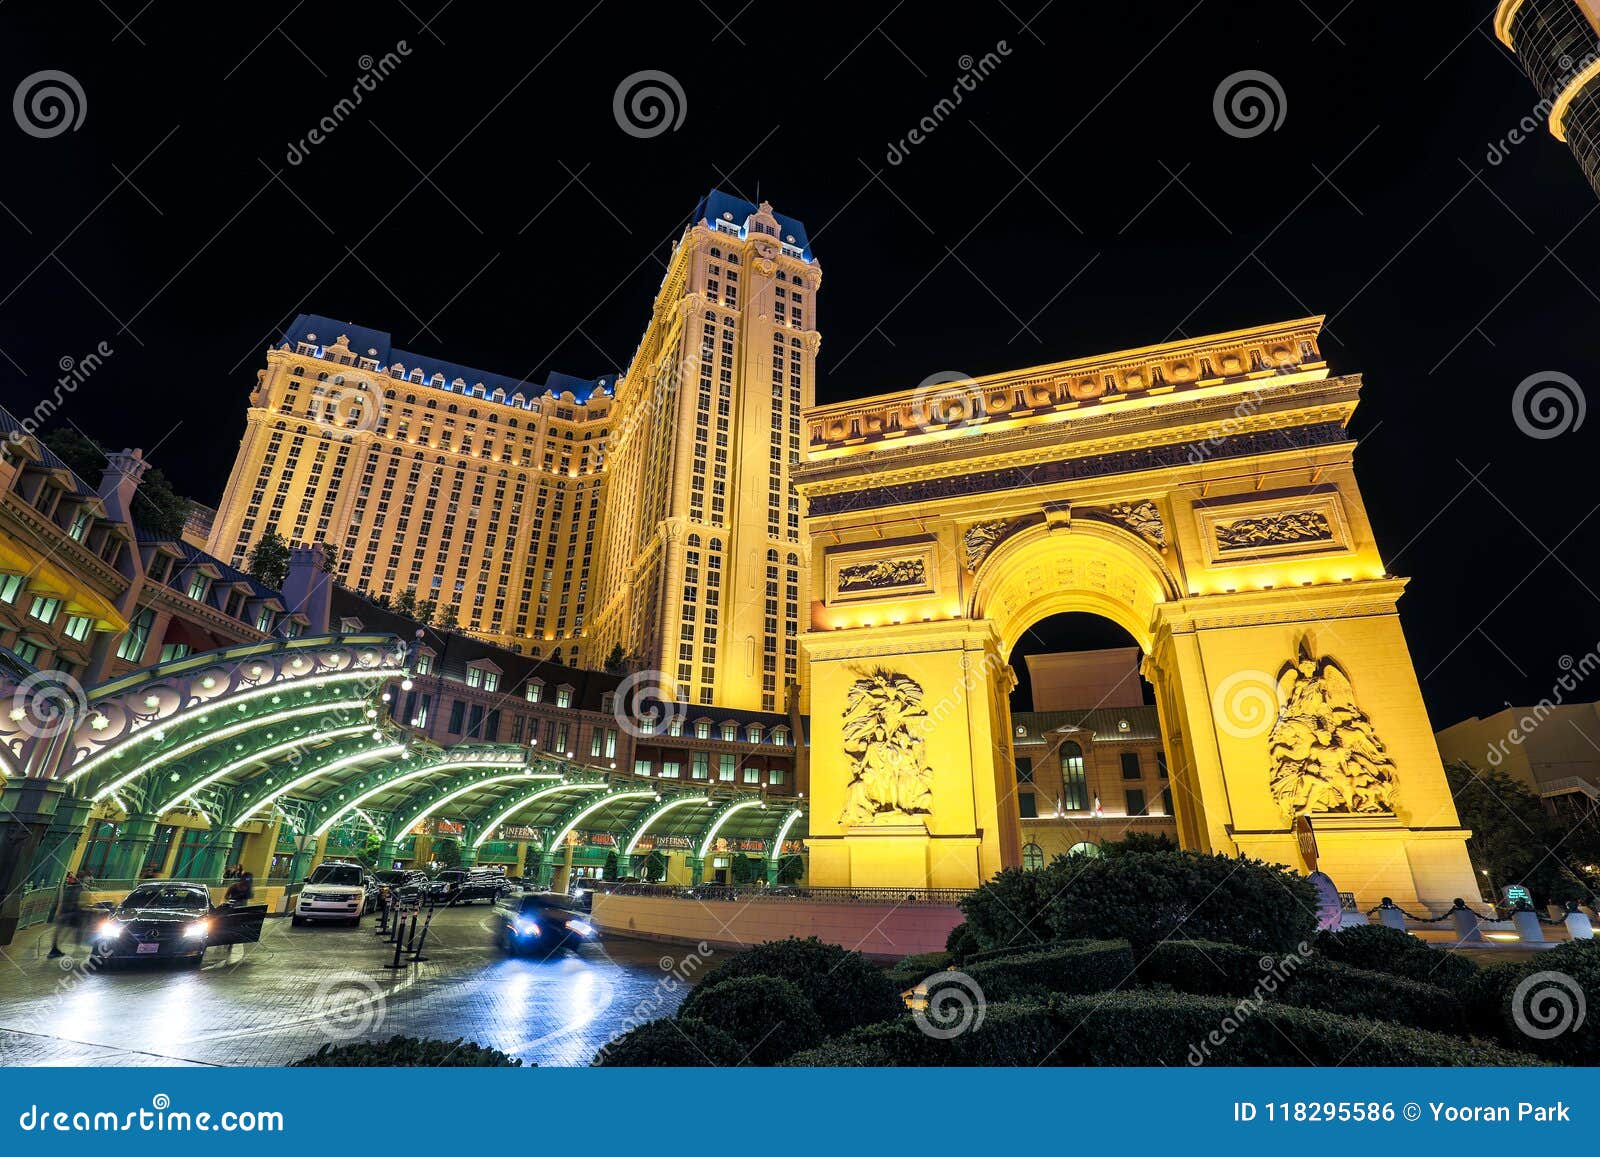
708, 892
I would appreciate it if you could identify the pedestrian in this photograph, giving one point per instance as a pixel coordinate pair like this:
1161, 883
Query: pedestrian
242, 890
69, 914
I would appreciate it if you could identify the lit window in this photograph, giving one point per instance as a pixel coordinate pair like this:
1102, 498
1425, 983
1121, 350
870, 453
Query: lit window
77, 627
563, 696
45, 609
1032, 857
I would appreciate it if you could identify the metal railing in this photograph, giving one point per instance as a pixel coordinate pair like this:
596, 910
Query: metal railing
941, 896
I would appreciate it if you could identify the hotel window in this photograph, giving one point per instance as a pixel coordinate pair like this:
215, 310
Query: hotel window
1074, 791
77, 627
676, 726
1024, 769
1032, 857
535, 691
753, 733
458, 712
730, 732
1161, 766
726, 766
594, 744
1130, 765
424, 663
26, 651
752, 774
669, 769
1135, 799
131, 649
474, 676
98, 850
641, 767
1166, 801
1027, 805
780, 737
198, 586
80, 525
173, 651
700, 765
611, 743
563, 696
10, 587
45, 609
702, 729
189, 849
775, 775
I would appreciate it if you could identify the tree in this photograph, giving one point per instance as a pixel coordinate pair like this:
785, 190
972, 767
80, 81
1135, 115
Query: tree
156, 505
424, 611
405, 603
791, 868
617, 661
447, 852
1515, 841
744, 869
332, 558
269, 559
654, 868
447, 618
609, 872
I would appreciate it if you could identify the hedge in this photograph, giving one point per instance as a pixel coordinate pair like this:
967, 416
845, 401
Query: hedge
914, 969
844, 988
1211, 969
671, 1042
768, 1017
1384, 949
1158, 1028
1085, 966
1546, 1004
407, 1052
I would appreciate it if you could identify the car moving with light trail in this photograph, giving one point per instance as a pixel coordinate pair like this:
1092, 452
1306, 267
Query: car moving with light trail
165, 920
540, 924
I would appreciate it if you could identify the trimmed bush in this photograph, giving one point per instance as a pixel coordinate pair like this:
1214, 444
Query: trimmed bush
960, 942
1086, 966
914, 969
408, 1052
1009, 911
1210, 969
1381, 949
844, 988
1159, 1028
1545, 1004
768, 1017
677, 1043
1148, 897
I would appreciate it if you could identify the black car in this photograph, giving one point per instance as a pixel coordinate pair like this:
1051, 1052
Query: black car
400, 884
541, 924
459, 886
166, 919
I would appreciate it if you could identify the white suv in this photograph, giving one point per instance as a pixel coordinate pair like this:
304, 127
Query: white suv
334, 892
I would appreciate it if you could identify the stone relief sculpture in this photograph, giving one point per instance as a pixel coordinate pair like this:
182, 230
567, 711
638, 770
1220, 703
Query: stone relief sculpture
889, 780
1143, 518
980, 539
1324, 753
883, 574
1274, 530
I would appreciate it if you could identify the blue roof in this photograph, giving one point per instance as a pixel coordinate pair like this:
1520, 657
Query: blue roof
9, 425
715, 203
376, 343
193, 555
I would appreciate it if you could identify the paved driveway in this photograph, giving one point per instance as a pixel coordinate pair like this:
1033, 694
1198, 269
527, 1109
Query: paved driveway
276, 1001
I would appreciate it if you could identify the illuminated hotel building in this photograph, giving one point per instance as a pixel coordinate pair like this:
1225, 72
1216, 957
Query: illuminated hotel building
650, 511
1557, 42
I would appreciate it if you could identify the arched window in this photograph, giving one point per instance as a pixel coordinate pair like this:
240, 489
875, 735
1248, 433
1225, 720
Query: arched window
1032, 857
1074, 789
1084, 849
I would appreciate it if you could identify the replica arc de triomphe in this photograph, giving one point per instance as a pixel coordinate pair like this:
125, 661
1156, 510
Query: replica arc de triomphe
1200, 494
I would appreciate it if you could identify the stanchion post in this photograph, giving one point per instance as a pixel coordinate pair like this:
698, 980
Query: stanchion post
1390, 916
1466, 920
417, 957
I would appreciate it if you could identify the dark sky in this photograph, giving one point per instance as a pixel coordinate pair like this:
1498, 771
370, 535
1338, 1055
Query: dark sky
483, 204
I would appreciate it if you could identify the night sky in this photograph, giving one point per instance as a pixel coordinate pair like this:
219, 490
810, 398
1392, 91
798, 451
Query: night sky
484, 205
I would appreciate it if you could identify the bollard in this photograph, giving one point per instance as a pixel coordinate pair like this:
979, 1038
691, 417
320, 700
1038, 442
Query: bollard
1466, 923
1526, 921
1579, 926
395, 963
1390, 916
417, 957
383, 916
411, 938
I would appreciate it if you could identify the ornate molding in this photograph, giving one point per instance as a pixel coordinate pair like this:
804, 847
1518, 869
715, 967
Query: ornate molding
883, 574
1143, 518
1278, 529
980, 538
889, 779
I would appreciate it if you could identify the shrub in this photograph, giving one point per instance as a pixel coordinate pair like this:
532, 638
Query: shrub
669, 1042
1086, 966
914, 969
844, 988
1148, 897
960, 942
768, 1017
1492, 999
1212, 969
1009, 911
1009, 1034
1381, 949
408, 1052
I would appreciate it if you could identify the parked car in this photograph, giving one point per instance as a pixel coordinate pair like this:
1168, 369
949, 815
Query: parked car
167, 919
400, 885
461, 886
540, 924
334, 892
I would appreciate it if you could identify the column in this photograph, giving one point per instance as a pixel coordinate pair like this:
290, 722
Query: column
60, 840
213, 858
696, 869
27, 809
133, 846
388, 853
469, 854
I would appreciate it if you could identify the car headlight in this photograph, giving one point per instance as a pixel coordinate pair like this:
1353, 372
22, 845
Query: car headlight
109, 929
581, 928
526, 928
197, 930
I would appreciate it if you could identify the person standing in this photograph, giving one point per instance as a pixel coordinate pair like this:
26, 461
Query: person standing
69, 914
